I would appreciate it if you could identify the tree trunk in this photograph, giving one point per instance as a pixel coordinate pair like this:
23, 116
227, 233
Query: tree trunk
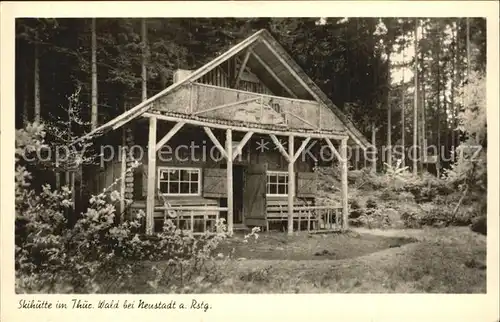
452, 96
144, 32
37, 85
26, 117
389, 116
467, 86
468, 49
93, 122
403, 160
423, 130
415, 103
438, 109
374, 159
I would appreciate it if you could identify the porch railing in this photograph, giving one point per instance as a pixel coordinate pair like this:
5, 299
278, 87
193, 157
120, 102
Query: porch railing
194, 219
316, 218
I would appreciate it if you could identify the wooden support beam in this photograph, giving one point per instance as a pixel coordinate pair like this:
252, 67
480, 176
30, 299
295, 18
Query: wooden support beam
229, 153
319, 116
241, 145
297, 77
122, 182
301, 148
190, 103
169, 135
301, 81
242, 68
226, 105
302, 119
216, 142
150, 199
281, 148
291, 185
132, 113
227, 89
334, 151
345, 204
214, 125
273, 74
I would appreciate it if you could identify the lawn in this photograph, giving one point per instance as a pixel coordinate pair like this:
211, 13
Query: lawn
431, 260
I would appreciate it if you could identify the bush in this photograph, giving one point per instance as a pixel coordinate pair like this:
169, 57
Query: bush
479, 225
374, 218
410, 220
427, 187
356, 210
387, 195
371, 203
405, 197
95, 254
410, 214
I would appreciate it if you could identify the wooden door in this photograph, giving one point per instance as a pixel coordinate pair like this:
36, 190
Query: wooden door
254, 195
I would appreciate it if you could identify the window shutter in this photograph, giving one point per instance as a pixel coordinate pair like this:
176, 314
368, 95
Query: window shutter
306, 184
214, 183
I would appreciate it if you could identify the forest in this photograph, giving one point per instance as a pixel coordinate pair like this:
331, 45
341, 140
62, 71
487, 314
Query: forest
365, 65
404, 82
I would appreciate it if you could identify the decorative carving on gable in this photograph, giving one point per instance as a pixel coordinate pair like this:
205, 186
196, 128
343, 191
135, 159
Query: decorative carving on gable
256, 113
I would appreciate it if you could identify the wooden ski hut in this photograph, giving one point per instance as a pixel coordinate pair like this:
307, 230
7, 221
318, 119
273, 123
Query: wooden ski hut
238, 139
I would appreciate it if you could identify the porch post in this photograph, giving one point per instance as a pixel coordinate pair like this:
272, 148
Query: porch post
123, 162
291, 183
229, 157
345, 210
150, 201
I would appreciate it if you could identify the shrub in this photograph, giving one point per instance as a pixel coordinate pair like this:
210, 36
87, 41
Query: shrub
356, 210
374, 218
479, 225
427, 187
95, 254
405, 197
387, 195
371, 203
410, 220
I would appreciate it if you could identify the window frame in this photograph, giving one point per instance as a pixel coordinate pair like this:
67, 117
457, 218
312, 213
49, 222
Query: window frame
268, 173
168, 168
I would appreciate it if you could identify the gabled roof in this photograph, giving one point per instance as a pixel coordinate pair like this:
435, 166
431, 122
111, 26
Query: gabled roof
279, 62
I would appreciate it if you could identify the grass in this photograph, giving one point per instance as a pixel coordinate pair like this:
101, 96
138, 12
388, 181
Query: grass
450, 260
333, 246
446, 260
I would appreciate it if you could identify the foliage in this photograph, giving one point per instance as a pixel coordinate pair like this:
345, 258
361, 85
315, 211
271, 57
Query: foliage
373, 218
371, 203
479, 225
469, 172
470, 162
98, 253
355, 209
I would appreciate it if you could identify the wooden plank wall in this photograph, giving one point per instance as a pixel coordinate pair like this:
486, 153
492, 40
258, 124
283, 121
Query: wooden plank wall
294, 111
251, 155
224, 76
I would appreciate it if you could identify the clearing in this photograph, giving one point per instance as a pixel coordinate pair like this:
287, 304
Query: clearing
429, 260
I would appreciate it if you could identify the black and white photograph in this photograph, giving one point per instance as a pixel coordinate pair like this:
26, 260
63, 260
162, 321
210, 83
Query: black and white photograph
222, 155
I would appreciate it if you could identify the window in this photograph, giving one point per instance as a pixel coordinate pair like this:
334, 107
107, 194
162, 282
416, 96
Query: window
277, 183
179, 181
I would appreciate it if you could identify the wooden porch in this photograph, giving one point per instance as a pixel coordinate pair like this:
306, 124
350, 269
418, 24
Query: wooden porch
203, 218
297, 216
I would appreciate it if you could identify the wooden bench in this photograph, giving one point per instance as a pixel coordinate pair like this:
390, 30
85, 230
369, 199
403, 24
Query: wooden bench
191, 214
